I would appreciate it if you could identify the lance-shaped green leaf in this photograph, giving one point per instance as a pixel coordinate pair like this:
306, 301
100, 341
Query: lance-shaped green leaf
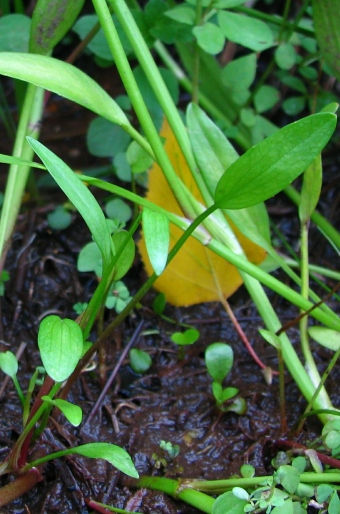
157, 238
60, 343
79, 195
72, 413
51, 20
326, 15
326, 337
311, 189
63, 79
8, 159
274, 163
117, 456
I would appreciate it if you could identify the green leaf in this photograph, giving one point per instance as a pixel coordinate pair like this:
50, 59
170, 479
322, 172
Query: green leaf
323, 492
334, 504
247, 471
326, 337
212, 150
209, 37
72, 413
294, 105
90, 259
117, 456
8, 159
285, 56
228, 503
79, 195
285, 508
156, 231
189, 336
64, 80
159, 304
240, 73
140, 361
228, 393
227, 4
104, 139
271, 338
126, 258
272, 164
9, 363
118, 209
137, 158
288, 477
326, 15
60, 218
246, 31
182, 14
217, 392
219, 360
240, 493
60, 343
311, 189
14, 33
51, 20
265, 98
293, 83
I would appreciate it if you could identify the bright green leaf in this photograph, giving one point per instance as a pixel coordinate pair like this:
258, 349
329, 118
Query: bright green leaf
271, 165
326, 337
219, 360
140, 361
240, 73
182, 14
209, 37
137, 158
9, 363
156, 231
117, 456
285, 56
189, 336
72, 413
79, 195
246, 31
60, 343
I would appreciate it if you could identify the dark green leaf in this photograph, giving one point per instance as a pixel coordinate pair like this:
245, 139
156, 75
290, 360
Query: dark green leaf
265, 98
182, 14
311, 189
14, 33
60, 218
326, 14
104, 139
240, 73
271, 165
51, 20
285, 56
294, 105
246, 31
60, 343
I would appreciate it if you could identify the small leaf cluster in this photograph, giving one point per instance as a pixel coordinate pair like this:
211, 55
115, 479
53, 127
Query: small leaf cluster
283, 493
219, 360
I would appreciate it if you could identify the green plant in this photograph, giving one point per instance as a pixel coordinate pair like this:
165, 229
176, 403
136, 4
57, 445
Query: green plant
229, 185
182, 339
219, 360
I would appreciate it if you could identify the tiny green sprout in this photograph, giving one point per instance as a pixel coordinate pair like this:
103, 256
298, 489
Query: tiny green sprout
9, 365
118, 297
60, 218
185, 338
80, 307
171, 449
4, 277
219, 360
140, 361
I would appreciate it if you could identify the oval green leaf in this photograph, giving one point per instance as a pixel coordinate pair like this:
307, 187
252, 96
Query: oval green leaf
219, 360
9, 363
326, 337
117, 456
60, 343
274, 163
140, 361
157, 238
246, 31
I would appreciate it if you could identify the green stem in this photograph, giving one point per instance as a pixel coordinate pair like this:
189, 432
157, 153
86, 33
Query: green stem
184, 197
324, 226
17, 178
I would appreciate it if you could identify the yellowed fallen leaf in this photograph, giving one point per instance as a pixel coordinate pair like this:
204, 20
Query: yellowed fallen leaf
196, 274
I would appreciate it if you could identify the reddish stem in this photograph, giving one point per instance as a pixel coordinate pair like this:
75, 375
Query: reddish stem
325, 459
19, 486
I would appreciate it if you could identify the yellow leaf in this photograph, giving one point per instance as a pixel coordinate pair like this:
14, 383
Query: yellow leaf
196, 274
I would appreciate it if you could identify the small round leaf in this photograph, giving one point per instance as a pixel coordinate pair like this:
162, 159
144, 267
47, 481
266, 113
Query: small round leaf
219, 359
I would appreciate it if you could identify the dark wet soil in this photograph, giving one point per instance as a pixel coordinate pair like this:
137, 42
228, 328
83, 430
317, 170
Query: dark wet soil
173, 400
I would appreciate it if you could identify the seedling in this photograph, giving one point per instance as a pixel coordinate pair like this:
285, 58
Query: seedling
219, 360
118, 297
170, 452
186, 338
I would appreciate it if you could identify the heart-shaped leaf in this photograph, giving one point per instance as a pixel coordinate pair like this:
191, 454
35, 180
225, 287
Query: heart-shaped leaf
60, 343
185, 338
